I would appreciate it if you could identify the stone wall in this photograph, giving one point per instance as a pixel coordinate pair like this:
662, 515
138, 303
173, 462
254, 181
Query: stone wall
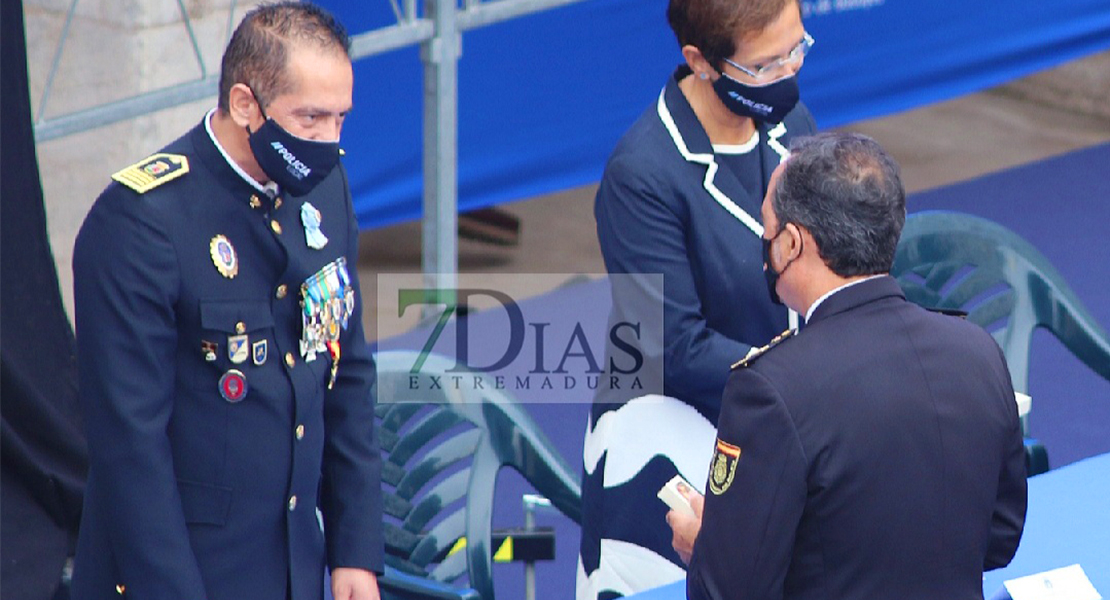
114, 49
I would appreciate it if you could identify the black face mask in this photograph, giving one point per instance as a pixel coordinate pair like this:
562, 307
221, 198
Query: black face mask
294, 163
768, 103
769, 274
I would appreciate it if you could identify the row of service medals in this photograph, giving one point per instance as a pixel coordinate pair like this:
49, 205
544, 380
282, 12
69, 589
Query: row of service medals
327, 303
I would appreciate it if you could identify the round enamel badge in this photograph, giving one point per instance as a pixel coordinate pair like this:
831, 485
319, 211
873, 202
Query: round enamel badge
233, 386
224, 257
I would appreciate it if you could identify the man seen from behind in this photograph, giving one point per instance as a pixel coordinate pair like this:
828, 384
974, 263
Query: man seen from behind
877, 453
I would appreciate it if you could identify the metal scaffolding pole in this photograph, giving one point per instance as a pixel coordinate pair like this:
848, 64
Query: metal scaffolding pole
440, 56
439, 34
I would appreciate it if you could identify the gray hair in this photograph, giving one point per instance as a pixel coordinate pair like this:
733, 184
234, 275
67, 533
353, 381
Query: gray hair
847, 192
258, 50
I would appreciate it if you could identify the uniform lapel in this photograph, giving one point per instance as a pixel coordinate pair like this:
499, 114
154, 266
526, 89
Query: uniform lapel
774, 151
693, 144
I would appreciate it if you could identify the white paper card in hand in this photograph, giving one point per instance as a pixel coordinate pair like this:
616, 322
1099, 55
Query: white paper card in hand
1067, 583
1024, 403
673, 498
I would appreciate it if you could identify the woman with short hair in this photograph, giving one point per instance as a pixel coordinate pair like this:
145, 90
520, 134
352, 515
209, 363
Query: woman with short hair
680, 197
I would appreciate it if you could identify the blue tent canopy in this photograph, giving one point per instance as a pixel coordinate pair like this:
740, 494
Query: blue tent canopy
544, 98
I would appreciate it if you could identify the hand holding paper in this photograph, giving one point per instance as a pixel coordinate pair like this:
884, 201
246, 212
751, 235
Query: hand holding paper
685, 514
674, 498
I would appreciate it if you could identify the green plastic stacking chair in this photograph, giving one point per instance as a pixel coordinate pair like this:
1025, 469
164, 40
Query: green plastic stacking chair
949, 260
441, 451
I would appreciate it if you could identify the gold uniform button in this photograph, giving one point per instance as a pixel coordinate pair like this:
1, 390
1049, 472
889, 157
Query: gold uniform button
292, 503
120, 589
276, 227
281, 291
240, 327
255, 202
300, 432
289, 360
277, 203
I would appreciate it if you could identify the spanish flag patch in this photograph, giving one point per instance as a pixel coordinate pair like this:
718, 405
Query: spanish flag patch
152, 171
722, 468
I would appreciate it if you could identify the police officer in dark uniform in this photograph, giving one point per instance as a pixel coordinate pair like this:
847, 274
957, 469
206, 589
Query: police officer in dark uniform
225, 378
875, 454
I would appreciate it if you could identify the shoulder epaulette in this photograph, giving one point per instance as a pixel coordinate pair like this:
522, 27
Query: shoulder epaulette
952, 312
152, 171
755, 353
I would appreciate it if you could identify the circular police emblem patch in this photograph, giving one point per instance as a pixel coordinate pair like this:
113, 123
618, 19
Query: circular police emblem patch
233, 386
224, 257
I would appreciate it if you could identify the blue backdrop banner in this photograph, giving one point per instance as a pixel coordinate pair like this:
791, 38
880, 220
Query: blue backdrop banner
544, 98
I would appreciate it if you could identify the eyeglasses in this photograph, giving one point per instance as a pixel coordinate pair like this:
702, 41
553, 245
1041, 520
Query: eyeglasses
776, 67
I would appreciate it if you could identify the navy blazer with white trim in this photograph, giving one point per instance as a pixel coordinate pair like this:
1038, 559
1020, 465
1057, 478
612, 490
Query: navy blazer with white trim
666, 206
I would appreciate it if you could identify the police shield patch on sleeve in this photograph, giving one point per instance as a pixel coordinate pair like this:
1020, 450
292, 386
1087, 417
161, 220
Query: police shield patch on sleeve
723, 467
152, 171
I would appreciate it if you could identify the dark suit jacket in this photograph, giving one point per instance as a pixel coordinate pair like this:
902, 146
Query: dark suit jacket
876, 454
191, 496
668, 205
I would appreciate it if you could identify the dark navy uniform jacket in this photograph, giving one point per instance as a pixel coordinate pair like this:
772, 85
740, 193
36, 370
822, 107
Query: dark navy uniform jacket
876, 454
191, 496
667, 206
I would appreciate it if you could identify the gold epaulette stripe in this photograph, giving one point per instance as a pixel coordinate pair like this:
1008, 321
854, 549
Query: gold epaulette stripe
135, 180
755, 353
152, 171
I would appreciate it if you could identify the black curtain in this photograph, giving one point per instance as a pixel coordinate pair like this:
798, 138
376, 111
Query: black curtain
43, 453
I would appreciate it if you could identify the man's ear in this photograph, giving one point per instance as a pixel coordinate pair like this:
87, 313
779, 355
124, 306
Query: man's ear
243, 106
796, 236
696, 61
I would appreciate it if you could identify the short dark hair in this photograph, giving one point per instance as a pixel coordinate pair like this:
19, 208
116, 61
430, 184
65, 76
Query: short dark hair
259, 48
711, 26
847, 192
